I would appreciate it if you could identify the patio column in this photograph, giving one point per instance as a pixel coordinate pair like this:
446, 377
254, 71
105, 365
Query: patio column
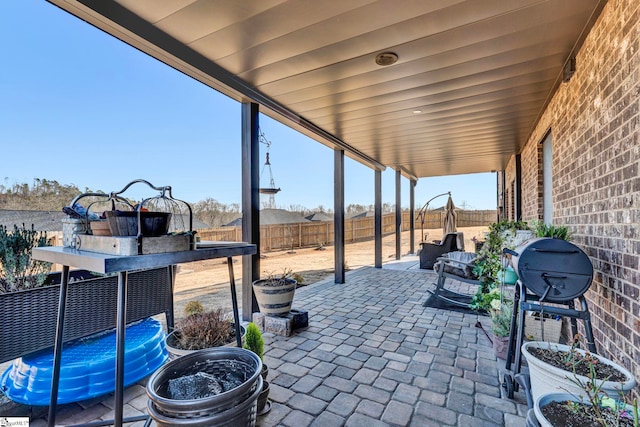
338, 218
398, 214
250, 205
517, 196
412, 217
377, 220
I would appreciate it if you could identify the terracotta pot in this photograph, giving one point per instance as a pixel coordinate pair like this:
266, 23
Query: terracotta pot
500, 346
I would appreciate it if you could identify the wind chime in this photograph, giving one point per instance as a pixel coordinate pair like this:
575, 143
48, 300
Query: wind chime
271, 190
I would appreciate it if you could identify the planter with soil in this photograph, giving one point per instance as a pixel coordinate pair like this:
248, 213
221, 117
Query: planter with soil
560, 368
564, 409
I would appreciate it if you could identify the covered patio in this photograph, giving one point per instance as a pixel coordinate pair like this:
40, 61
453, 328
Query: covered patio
371, 356
542, 92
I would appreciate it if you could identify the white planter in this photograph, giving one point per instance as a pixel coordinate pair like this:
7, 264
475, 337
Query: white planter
546, 378
274, 299
546, 399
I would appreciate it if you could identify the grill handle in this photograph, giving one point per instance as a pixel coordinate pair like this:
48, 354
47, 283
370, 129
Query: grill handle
554, 251
507, 251
546, 276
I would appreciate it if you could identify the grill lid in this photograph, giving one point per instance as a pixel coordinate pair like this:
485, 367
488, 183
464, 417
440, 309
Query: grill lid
553, 269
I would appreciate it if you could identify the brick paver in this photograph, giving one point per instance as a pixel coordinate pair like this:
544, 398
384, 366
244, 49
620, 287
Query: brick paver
372, 355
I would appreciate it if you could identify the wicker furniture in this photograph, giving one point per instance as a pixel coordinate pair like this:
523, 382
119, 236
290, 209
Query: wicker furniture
429, 252
29, 317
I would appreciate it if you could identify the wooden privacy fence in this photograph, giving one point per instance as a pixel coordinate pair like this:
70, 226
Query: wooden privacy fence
316, 233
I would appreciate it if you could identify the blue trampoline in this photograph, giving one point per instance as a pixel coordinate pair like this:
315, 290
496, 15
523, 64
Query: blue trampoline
88, 366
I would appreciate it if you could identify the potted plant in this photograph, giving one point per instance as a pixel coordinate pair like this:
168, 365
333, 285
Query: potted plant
592, 409
274, 293
500, 326
254, 342
491, 266
201, 329
558, 367
550, 230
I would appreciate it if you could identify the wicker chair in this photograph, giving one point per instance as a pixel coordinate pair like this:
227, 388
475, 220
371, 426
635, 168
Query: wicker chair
430, 252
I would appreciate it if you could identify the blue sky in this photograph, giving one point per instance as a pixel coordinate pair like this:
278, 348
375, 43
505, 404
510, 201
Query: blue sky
80, 107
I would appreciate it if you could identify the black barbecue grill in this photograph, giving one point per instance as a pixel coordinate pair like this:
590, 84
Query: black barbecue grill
549, 271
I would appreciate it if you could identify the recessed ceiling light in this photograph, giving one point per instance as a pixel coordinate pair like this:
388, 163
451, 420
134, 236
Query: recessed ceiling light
386, 58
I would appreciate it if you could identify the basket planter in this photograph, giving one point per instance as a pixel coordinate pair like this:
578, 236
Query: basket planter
175, 352
233, 407
274, 297
546, 378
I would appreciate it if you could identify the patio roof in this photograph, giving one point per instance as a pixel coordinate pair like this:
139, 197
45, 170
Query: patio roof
470, 82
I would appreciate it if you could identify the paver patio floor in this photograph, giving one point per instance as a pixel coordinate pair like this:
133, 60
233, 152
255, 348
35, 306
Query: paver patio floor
372, 355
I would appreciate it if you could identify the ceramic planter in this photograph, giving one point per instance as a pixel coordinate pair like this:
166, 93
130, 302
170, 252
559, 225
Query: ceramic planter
274, 298
546, 378
545, 399
175, 352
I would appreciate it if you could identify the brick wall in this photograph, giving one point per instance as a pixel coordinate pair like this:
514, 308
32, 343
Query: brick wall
595, 123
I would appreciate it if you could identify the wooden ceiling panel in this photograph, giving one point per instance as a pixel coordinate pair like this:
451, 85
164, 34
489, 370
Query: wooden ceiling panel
481, 72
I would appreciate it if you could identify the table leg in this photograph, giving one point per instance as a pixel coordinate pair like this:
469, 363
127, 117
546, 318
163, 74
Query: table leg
121, 309
234, 301
57, 349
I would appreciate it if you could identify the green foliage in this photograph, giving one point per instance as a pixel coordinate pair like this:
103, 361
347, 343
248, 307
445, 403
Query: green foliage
550, 230
253, 340
501, 320
487, 301
18, 270
490, 259
193, 307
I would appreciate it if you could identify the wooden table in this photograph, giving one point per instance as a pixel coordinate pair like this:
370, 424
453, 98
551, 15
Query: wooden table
107, 263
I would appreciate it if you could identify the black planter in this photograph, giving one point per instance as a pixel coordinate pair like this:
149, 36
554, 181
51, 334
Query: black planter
234, 407
264, 405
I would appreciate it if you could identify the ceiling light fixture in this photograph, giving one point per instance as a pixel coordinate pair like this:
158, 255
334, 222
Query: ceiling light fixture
417, 111
386, 58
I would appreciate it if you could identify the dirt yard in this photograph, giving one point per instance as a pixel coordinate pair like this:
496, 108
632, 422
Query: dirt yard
208, 281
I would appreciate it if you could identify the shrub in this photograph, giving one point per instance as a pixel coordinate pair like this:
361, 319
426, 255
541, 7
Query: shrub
204, 330
193, 307
18, 270
253, 340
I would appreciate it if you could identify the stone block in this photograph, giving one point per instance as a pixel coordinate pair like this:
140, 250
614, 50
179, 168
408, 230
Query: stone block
258, 319
279, 325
